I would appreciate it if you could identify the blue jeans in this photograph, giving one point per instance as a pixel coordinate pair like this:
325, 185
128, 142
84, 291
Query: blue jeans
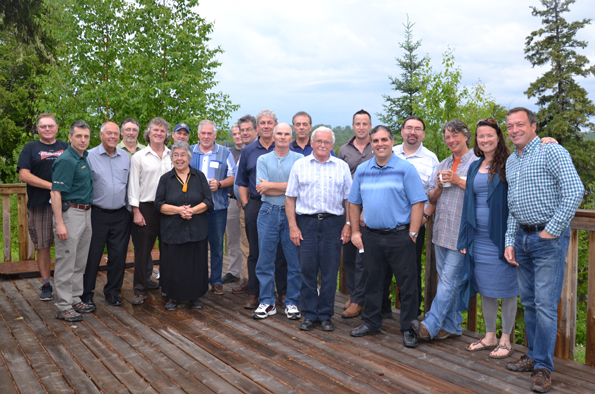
541, 276
272, 228
443, 314
217, 223
320, 250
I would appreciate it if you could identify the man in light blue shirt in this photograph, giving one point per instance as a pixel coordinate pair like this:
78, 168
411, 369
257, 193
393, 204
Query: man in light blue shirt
391, 193
110, 220
218, 165
272, 174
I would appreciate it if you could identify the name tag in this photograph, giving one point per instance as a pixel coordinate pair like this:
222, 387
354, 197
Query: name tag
214, 164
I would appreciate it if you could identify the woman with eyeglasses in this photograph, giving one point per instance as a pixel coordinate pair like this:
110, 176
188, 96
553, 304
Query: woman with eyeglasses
183, 198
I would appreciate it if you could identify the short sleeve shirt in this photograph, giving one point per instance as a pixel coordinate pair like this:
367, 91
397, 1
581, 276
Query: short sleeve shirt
353, 157
72, 176
38, 158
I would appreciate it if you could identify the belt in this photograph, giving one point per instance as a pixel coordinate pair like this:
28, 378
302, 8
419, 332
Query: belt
320, 216
81, 206
533, 227
259, 198
106, 210
387, 231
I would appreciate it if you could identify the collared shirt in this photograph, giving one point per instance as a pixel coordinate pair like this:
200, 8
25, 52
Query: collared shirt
110, 177
71, 175
273, 168
146, 167
246, 173
424, 161
450, 203
319, 187
307, 150
353, 157
139, 147
386, 193
543, 187
218, 164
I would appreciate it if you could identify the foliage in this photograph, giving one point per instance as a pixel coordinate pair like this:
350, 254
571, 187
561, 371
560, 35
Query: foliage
132, 58
442, 98
396, 109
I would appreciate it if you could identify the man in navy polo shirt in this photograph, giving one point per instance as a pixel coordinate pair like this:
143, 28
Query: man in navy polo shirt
392, 195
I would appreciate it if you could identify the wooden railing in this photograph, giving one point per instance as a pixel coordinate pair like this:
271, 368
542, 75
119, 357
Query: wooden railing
26, 248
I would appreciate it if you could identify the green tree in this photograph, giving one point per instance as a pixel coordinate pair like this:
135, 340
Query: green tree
137, 58
443, 98
564, 108
396, 109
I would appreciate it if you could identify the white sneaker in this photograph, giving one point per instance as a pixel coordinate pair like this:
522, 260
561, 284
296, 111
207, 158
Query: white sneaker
264, 310
292, 312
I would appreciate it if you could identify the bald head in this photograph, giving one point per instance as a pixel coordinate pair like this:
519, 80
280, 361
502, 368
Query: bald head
282, 137
110, 136
282, 126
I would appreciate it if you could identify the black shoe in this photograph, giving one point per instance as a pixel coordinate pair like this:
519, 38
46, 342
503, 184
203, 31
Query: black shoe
152, 285
171, 305
386, 315
229, 278
409, 339
327, 325
307, 325
196, 304
363, 330
115, 300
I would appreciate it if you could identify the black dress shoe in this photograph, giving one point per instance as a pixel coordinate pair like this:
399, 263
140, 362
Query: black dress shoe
152, 285
409, 339
115, 300
230, 278
363, 330
307, 325
196, 304
171, 305
327, 325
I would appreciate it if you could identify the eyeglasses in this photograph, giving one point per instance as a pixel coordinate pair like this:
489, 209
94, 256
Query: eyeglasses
128, 130
180, 155
411, 128
46, 127
325, 143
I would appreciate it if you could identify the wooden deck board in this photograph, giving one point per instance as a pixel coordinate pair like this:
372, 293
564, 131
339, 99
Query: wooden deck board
222, 349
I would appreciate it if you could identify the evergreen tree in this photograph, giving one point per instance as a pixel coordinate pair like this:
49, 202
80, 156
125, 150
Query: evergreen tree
399, 108
564, 108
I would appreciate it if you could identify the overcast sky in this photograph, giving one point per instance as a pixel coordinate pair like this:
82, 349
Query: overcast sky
332, 58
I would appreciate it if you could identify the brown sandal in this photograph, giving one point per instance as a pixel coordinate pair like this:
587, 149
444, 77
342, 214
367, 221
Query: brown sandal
510, 351
480, 342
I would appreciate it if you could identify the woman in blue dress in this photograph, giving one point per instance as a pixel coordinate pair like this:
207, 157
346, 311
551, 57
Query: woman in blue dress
481, 237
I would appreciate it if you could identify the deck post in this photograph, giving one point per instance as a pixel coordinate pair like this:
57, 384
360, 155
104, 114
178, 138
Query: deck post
431, 275
590, 345
567, 307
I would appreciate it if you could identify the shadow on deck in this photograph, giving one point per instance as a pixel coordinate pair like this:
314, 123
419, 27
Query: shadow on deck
222, 349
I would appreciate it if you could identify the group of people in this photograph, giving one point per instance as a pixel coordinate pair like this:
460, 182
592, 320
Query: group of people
289, 209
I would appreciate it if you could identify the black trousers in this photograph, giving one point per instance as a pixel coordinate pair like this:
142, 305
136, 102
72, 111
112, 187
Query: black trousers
145, 239
353, 261
419, 246
111, 228
396, 250
250, 219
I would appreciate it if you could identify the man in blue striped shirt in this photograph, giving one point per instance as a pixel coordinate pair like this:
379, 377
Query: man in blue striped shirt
544, 192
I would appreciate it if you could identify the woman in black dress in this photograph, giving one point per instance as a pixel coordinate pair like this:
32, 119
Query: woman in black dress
183, 198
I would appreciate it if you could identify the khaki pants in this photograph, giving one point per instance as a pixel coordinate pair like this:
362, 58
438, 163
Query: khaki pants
236, 243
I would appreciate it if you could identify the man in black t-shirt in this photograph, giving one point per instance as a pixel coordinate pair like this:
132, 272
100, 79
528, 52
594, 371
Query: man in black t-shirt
35, 169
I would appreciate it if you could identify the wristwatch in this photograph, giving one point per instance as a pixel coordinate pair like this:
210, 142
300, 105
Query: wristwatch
348, 223
244, 206
414, 235
426, 216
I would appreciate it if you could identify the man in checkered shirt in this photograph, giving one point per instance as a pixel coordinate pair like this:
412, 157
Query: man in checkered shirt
544, 191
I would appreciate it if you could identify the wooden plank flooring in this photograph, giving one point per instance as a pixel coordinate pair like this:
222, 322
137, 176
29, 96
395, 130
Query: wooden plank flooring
222, 349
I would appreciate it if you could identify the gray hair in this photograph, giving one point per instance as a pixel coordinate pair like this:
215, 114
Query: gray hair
206, 121
81, 124
158, 121
130, 120
323, 128
181, 145
275, 129
457, 126
231, 129
266, 112
105, 124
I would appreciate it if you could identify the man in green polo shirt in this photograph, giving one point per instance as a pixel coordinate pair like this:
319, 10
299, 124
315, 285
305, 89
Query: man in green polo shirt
72, 196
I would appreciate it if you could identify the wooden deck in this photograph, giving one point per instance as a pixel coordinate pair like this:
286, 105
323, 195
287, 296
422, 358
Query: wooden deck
222, 349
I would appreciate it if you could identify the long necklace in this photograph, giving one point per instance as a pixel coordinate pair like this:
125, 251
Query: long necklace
184, 184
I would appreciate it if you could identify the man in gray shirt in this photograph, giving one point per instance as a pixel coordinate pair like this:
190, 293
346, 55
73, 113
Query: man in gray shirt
110, 220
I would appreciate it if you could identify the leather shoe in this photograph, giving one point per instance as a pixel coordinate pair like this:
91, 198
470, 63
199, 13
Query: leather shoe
281, 299
409, 339
251, 302
196, 304
241, 288
387, 315
420, 330
115, 300
327, 325
218, 289
363, 330
354, 310
171, 305
230, 278
524, 364
138, 299
347, 304
152, 285
307, 325
542, 380
443, 334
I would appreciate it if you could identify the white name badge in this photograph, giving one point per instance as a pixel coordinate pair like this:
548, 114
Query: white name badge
214, 164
